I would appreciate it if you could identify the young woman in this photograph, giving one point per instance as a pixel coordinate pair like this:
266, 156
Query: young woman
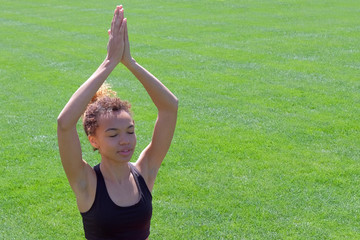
114, 197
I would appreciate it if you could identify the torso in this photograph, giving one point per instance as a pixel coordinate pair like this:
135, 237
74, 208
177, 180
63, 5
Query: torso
126, 194
113, 212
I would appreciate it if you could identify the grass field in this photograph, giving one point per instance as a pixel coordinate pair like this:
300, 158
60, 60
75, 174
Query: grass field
267, 144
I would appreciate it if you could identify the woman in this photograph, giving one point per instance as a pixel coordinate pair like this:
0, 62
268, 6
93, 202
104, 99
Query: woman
114, 197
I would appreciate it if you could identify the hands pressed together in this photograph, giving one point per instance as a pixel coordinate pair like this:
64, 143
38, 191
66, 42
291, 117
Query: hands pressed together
118, 47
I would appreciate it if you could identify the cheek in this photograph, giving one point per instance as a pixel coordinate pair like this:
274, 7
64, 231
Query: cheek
110, 142
134, 140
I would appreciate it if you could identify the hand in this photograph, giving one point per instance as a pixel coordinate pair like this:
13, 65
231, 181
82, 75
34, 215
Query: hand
126, 58
116, 42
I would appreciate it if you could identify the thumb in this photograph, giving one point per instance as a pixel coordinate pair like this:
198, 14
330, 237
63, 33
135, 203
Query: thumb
126, 32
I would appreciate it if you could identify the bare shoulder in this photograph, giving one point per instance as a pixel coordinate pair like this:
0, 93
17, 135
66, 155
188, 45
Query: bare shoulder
143, 169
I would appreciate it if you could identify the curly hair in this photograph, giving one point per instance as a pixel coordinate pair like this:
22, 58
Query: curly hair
104, 102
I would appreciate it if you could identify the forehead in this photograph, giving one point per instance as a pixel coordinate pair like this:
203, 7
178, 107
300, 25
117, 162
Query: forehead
118, 119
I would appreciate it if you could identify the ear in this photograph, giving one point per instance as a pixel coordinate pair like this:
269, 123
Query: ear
93, 141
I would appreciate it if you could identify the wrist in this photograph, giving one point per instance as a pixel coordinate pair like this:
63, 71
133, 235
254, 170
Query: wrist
110, 63
130, 63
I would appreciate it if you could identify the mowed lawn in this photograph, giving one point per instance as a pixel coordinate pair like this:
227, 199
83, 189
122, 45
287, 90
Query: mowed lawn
267, 141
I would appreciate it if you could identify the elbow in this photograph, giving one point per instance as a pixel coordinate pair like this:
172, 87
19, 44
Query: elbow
175, 104
62, 123
169, 107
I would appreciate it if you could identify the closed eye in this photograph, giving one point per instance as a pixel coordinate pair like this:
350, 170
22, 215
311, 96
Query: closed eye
113, 136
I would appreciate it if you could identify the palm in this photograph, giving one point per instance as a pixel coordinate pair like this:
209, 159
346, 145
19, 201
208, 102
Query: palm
116, 42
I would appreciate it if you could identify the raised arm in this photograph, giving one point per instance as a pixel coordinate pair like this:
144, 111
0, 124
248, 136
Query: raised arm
77, 170
167, 104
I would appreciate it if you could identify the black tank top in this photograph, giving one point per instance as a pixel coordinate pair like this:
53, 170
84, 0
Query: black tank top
106, 220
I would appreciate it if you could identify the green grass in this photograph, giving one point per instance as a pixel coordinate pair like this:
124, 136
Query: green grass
267, 142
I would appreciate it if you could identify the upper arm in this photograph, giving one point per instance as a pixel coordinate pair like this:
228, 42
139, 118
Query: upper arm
76, 169
151, 158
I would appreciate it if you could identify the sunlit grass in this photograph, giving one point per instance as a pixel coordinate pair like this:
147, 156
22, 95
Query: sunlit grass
267, 141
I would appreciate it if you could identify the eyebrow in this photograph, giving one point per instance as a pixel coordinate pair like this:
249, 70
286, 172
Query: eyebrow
115, 129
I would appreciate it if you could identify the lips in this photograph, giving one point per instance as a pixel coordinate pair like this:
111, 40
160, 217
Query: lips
125, 152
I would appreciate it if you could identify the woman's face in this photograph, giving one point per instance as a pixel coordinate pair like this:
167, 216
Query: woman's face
115, 136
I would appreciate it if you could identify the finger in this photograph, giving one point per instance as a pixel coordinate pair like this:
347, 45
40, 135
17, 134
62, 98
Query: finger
122, 28
117, 21
126, 31
114, 19
121, 16
113, 22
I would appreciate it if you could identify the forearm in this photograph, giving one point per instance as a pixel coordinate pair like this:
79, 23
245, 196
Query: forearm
81, 98
162, 97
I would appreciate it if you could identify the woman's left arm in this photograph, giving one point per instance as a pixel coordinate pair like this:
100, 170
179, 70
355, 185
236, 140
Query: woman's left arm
167, 104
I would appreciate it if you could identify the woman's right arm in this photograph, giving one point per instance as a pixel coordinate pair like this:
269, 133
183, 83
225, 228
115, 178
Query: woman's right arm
69, 144
76, 169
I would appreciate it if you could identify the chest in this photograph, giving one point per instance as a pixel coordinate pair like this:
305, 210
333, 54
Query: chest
119, 214
125, 194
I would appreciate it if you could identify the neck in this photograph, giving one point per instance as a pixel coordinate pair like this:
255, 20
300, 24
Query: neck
115, 172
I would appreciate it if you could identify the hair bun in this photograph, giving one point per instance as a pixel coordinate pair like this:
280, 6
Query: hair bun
104, 91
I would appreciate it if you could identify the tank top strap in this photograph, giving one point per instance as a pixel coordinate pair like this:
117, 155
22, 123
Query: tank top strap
98, 172
133, 170
136, 175
140, 182
100, 182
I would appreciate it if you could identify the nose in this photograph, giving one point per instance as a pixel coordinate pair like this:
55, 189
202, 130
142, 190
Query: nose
124, 140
